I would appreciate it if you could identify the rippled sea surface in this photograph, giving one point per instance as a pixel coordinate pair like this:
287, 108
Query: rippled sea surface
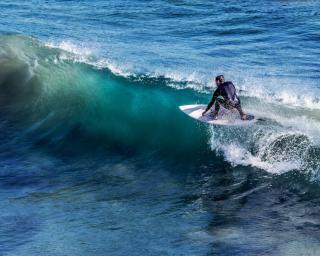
97, 159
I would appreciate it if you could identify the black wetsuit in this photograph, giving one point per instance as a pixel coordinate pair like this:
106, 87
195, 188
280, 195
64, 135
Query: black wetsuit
228, 98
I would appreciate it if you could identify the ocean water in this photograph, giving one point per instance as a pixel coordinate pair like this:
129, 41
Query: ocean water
97, 159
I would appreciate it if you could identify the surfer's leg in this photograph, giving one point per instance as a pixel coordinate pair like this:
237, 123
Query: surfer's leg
219, 101
238, 107
242, 114
217, 106
226, 104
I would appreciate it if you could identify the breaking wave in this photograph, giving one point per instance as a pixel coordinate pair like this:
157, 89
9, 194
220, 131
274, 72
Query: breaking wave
65, 97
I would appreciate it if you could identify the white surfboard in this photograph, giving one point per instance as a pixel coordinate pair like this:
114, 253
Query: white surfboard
225, 117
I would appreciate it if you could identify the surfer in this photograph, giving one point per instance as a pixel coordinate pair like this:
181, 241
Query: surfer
225, 95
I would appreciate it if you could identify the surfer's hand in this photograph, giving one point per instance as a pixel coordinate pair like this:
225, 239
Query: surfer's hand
203, 113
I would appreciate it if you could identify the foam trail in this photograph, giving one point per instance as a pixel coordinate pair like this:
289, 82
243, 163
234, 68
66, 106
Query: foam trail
271, 148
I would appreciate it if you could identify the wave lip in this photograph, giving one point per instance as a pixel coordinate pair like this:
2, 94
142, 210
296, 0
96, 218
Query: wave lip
295, 92
82, 54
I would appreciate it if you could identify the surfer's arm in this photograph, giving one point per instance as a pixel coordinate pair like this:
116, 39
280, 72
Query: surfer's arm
214, 97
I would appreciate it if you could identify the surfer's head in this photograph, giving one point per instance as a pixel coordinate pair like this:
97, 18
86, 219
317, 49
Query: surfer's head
219, 80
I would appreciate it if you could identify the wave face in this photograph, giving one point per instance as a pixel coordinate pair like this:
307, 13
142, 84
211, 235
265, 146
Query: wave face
60, 98
69, 102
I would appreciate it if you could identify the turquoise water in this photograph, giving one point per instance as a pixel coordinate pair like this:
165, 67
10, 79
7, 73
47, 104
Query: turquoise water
97, 159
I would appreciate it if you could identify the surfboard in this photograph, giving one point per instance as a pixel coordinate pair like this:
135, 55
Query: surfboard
225, 117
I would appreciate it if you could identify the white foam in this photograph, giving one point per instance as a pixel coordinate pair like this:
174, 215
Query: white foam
296, 123
285, 97
70, 47
264, 153
87, 55
238, 155
283, 91
79, 53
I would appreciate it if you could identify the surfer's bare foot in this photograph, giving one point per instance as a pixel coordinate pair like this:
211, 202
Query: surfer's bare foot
214, 115
244, 117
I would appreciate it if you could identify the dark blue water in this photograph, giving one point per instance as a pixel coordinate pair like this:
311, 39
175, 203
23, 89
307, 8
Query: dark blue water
97, 159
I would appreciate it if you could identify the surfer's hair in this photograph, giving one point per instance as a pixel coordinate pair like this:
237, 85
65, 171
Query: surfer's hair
220, 78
